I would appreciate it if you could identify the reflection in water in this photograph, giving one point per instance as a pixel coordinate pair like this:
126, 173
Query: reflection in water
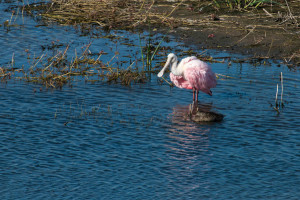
188, 153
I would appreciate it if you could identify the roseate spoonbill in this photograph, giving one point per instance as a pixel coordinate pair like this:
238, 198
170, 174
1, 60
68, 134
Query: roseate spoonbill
190, 73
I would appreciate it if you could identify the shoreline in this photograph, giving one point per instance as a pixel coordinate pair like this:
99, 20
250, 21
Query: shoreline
267, 33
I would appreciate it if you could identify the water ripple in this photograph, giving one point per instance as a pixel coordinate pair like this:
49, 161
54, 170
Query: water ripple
101, 141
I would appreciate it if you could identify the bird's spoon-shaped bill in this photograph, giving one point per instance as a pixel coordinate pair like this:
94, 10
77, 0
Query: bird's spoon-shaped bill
161, 73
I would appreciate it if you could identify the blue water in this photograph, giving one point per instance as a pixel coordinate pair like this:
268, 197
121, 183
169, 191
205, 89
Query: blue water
108, 141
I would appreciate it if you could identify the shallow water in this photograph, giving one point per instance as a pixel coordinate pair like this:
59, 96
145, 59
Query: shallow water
108, 141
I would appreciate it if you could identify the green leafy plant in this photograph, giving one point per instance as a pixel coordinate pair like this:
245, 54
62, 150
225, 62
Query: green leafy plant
149, 51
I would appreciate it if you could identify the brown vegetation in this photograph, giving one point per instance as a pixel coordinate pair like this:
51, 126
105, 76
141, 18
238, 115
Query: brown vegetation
270, 31
57, 71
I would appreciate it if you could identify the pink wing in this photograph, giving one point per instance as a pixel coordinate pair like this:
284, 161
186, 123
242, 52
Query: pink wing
180, 82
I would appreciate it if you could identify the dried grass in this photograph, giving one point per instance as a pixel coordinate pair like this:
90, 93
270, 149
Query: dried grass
124, 14
58, 70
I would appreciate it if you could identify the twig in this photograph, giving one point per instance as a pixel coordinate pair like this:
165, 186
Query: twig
268, 13
281, 77
270, 48
86, 49
12, 60
142, 6
172, 10
276, 104
12, 14
166, 81
98, 58
224, 75
37, 62
290, 13
246, 35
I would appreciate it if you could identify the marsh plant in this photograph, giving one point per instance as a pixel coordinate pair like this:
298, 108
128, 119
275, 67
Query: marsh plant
59, 69
149, 50
242, 4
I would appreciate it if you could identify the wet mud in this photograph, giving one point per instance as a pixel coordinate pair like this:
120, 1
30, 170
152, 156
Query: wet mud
267, 32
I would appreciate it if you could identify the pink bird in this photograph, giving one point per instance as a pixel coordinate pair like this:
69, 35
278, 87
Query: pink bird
191, 73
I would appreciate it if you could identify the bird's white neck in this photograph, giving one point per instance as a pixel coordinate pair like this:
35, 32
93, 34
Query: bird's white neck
175, 70
172, 61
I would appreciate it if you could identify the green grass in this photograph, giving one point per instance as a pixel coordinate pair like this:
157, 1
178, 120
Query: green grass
149, 51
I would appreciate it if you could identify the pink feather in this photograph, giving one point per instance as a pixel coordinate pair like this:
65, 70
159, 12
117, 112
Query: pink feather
197, 74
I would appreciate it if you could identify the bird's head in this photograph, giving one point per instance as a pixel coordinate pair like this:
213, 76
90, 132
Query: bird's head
172, 58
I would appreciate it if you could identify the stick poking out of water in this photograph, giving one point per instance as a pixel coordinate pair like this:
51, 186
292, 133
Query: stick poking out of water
278, 105
281, 77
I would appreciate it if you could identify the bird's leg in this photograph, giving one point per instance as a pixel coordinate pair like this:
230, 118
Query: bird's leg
194, 91
197, 92
191, 109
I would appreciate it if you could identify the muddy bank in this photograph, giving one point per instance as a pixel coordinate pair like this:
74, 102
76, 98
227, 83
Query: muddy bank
270, 31
259, 33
